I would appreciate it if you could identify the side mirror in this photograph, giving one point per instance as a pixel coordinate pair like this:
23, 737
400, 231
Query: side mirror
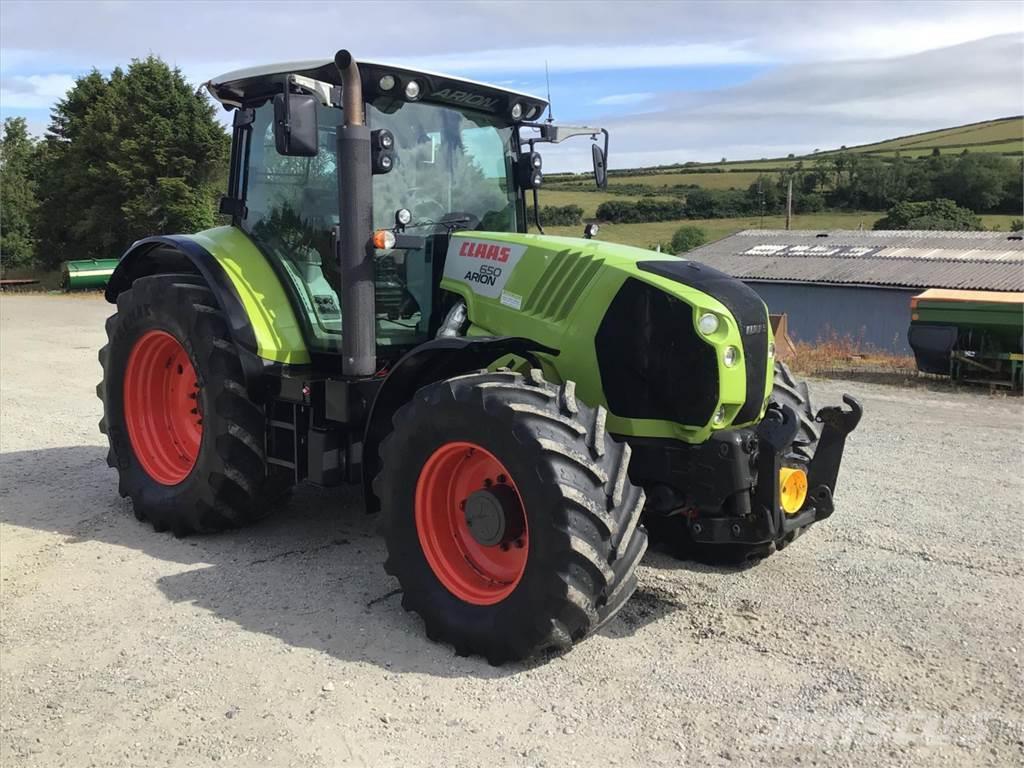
600, 170
295, 129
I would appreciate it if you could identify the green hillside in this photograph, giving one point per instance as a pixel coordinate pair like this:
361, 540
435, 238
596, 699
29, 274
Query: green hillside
823, 172
1003, 136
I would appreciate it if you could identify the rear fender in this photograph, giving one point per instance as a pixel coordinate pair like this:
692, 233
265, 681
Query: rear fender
168, 254
260, 318
430, 362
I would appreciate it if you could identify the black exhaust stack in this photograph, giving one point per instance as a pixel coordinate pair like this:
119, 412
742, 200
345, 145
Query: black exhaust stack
354, 238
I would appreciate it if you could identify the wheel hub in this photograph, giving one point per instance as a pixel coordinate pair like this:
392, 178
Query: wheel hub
493, 515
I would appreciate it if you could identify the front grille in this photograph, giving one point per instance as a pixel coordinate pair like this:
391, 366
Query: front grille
747, 309
653, 364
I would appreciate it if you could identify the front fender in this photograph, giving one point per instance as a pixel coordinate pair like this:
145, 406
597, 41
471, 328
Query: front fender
432, 361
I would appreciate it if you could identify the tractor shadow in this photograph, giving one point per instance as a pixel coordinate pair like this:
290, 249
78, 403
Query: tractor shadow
310, 575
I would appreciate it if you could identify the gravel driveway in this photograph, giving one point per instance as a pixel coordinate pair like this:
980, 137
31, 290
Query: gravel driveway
891, 634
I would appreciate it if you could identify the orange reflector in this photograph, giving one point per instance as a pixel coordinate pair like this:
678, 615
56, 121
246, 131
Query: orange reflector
792, 489
384, 239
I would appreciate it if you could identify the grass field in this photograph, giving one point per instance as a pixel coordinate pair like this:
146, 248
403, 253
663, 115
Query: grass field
1006, 132
647, 235
730, 180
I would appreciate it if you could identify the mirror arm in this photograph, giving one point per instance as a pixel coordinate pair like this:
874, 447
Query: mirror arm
536, 212
287, 126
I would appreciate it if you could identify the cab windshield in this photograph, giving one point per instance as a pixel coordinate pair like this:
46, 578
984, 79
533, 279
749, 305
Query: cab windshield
450, 166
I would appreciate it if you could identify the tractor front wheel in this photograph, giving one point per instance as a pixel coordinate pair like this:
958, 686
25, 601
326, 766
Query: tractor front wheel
185, 438
509, 519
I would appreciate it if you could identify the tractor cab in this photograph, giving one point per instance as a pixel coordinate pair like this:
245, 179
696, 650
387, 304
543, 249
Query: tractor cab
446, 155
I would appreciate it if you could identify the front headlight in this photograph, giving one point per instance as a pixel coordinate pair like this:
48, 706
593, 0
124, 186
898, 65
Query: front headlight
707, 323
720, 415
730, 356
771, 349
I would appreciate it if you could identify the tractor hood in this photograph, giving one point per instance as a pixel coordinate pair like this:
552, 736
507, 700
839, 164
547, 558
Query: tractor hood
627, 324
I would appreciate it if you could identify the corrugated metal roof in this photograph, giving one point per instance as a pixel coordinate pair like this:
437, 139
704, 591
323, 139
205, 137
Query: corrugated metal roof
975, 260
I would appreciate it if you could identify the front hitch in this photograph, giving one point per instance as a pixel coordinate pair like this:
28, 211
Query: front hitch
824, 468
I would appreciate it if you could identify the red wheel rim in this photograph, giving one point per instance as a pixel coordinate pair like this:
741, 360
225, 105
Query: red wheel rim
473, 572
161, 407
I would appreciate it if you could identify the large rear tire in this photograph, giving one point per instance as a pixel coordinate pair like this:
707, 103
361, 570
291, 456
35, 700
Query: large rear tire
673, 533
184, 436
509, 518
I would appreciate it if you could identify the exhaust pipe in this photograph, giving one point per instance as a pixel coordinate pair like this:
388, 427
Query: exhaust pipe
354, 236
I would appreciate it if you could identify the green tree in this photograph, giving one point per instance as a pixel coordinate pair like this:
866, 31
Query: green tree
135, 154
932, 214
18, 202
688, 237
979, 182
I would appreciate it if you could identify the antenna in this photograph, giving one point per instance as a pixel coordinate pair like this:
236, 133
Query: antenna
547, 77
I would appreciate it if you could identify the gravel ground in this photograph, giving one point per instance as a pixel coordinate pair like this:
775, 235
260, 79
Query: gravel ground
890, 634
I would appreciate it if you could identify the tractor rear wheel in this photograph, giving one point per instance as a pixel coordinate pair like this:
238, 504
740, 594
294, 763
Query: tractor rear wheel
673, 533
185, 438
509, 518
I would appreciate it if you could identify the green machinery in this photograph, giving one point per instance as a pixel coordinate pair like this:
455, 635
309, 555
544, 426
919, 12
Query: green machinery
86, 274
521, 410
970, 336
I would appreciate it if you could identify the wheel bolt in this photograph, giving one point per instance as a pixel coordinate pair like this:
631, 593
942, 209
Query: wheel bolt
519, 544
488, 482
504, 546
502, 479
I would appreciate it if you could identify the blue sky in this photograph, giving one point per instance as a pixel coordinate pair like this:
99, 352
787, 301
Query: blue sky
673, 81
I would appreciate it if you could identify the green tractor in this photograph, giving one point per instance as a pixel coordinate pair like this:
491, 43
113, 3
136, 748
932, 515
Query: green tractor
520, 409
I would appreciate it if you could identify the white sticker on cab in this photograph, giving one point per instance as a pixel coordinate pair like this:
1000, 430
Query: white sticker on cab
481, 264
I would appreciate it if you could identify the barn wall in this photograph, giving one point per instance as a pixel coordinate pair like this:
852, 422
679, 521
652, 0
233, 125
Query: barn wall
879, 317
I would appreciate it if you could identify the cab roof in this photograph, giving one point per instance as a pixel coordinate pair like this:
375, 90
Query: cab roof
259, 83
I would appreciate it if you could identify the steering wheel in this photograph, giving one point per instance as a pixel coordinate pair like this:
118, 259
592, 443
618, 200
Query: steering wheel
436, 210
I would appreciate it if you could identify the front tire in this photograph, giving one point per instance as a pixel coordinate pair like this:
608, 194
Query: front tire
184, 436
556, 555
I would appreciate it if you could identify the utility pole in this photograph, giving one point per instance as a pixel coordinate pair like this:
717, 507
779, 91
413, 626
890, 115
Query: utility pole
760, 194
789, 201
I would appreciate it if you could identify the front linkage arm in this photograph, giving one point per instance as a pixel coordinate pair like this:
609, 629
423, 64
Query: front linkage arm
824, 469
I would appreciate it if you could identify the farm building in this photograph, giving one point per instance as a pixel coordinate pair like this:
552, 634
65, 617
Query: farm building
859, 283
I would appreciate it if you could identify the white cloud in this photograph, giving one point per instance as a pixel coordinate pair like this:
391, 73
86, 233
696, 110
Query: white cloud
836, 73
593, 35
617, 99
33, 91
803, 107
590, 58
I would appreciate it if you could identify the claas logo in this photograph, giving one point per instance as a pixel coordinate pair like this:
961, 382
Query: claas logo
486, 251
